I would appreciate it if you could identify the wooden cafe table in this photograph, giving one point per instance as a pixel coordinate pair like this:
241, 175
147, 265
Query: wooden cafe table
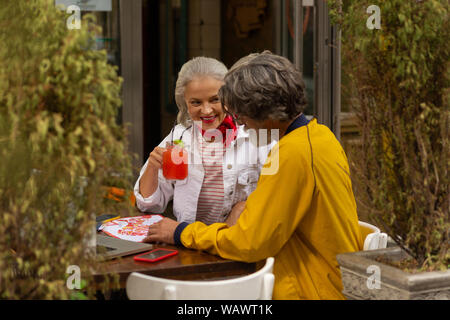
186, 265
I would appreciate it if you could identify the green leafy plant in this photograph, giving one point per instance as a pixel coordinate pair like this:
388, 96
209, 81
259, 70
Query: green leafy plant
59, 143
398, 85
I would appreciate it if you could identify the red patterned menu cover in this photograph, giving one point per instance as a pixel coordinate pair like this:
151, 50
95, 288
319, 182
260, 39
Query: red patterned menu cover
130, 228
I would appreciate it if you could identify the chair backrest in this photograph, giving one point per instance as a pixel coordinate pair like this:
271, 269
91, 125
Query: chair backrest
256, 286
373, 237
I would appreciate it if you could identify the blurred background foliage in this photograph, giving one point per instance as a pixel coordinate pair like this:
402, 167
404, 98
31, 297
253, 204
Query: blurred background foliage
59, 145
397, 82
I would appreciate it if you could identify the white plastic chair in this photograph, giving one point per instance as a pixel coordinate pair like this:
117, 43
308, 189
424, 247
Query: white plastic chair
256, 286
374, 238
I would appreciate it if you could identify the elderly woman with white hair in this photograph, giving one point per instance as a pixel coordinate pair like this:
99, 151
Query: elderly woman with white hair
223, 165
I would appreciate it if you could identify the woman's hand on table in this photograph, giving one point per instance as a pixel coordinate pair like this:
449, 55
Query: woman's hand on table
162, 231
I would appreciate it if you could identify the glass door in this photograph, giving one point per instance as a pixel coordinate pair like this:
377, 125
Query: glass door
107, 17
304, 35
295, 40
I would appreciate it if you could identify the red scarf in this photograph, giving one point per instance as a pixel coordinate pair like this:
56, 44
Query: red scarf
227, 124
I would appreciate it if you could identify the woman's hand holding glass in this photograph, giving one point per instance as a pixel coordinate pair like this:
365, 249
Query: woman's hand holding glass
149, 180
155, 160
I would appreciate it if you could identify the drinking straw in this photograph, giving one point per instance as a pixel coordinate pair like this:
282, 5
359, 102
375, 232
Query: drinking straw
173, 129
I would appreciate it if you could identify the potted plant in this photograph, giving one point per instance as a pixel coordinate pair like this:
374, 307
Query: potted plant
397, 82
59, 143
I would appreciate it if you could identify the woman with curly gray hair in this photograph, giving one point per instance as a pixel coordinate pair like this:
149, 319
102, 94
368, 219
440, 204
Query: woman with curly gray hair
305, 213
269, 90
218, 180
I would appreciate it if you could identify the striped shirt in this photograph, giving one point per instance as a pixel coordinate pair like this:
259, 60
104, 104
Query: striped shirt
210, 200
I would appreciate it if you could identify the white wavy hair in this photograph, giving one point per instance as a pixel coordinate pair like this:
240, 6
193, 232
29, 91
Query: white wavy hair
195, 68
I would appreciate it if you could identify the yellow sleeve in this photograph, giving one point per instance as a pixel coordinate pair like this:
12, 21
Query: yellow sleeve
272, 213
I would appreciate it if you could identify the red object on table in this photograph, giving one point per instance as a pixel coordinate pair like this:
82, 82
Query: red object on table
155, 255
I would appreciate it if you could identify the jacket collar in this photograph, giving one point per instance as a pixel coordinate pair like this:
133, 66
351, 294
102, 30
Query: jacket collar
300, 121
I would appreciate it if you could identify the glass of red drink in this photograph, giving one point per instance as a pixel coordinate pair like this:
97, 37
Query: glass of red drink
175, 162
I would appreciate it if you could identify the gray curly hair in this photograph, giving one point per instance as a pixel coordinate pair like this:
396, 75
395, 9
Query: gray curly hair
195, 68
264, 86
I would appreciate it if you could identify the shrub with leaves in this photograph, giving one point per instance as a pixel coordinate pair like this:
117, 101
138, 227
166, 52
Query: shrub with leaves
59, 144
399, 87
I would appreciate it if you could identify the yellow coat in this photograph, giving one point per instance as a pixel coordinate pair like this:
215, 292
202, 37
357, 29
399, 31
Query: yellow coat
304, 215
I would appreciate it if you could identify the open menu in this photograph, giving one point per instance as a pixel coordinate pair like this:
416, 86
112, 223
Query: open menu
130, 228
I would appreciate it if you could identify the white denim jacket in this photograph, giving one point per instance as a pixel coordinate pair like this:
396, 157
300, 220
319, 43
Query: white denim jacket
242, 163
